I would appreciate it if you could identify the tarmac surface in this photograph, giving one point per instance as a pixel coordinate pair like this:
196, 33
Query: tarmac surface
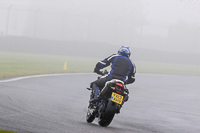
58, 104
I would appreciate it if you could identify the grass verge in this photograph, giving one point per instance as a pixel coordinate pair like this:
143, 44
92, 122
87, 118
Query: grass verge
2, 131
17, 64
20, 64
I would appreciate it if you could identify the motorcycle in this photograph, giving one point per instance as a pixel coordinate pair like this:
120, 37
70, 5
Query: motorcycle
112, 97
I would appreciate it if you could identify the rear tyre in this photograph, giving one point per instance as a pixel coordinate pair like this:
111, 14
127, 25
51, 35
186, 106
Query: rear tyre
106, 117
106, 120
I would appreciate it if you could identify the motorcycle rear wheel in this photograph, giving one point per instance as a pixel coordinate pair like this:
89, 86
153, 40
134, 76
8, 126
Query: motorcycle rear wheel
104, 122
105, 118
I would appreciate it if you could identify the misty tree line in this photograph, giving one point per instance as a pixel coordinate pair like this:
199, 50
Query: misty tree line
129, 28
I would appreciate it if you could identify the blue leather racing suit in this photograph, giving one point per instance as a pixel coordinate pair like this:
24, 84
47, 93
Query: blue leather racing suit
122, 68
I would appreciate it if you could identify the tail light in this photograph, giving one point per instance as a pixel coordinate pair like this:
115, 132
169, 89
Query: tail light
118, 92
119, 84
119, 87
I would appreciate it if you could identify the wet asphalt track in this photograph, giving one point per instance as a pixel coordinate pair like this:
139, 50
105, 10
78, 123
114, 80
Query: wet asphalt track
58, 104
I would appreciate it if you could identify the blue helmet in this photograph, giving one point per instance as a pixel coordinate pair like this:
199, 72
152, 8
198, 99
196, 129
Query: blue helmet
125, 51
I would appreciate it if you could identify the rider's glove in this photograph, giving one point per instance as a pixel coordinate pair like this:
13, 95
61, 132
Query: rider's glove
98, 72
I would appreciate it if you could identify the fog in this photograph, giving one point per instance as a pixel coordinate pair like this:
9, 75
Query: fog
78, 27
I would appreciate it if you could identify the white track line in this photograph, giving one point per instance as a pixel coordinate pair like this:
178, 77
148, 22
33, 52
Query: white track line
38, 76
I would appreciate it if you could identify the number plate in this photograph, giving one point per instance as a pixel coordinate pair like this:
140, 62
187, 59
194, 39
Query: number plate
116, 98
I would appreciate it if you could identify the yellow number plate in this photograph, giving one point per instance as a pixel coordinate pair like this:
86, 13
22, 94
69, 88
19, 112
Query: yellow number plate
116, 98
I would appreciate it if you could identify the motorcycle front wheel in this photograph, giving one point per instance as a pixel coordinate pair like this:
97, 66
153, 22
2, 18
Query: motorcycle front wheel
90, 115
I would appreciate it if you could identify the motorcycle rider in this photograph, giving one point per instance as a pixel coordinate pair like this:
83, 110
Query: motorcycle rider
122, 68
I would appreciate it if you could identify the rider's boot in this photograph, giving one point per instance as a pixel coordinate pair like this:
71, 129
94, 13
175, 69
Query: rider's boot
95, 99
